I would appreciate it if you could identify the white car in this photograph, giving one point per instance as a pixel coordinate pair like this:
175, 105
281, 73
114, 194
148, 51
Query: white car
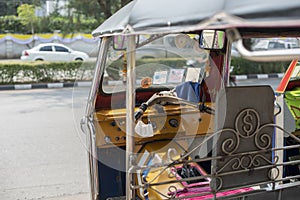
53, 52
265, 44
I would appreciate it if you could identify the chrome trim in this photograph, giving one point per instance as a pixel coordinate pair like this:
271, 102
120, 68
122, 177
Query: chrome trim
226, 64
263, 56
269, 55
130, 122
88, 121
99, 69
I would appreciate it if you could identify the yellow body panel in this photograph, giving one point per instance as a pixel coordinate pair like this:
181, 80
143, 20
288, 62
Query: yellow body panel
112, 124
153, 154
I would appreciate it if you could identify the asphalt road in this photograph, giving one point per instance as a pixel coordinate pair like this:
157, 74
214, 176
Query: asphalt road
42, 152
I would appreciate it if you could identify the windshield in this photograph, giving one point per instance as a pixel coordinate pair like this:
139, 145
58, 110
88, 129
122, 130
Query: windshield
164, 61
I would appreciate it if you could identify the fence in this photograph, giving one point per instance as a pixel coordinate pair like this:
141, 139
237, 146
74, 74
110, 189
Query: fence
12, 45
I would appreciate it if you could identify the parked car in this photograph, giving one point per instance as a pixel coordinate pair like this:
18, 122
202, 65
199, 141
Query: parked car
266, 44
53, 52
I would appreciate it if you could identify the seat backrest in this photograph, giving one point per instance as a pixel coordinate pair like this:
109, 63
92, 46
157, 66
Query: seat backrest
189, 91
243, 143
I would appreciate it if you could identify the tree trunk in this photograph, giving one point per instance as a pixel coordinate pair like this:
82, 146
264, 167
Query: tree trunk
105, 5
124, 2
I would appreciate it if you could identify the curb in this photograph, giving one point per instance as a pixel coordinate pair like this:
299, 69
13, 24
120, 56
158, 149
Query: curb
258, 76
44, 85
89, 83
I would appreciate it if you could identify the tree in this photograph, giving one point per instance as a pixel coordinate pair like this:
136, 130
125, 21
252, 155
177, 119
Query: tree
98, 9
83, 16
27, 16
9, 7
108, 8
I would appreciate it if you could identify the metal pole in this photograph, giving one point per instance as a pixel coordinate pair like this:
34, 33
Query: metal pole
130, 104
279, 135
88, 121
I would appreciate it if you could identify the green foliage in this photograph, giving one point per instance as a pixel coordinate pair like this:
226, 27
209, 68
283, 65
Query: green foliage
242, 66
9, 7
84, 16
11, 24
27, 16
38, 72
87, 8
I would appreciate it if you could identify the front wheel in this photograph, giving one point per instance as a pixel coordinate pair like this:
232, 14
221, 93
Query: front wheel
78, 59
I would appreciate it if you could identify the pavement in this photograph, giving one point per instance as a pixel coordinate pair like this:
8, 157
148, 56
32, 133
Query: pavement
71, 197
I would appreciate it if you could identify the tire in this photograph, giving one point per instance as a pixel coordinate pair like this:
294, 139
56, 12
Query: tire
78, 59
39, 59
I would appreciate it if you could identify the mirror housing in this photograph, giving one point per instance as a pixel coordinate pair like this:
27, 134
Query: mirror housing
120, 42
212, 39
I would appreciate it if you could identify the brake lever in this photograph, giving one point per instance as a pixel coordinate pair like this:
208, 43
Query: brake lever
140, 112
204, 108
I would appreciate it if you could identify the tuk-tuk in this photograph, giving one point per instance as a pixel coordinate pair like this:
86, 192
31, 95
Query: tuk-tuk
163, 122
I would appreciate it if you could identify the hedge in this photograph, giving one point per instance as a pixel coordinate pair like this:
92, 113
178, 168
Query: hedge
39, 72
242, 66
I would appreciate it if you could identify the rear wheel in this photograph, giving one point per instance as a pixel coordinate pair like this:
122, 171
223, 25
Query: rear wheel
78, 59
39, 59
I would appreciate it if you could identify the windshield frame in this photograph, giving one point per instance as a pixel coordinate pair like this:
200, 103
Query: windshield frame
162, 53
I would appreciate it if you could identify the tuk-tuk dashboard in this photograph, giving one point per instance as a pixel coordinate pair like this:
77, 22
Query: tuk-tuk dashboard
168, 122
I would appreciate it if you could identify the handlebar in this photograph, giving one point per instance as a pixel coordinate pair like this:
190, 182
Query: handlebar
138, 114
171, 98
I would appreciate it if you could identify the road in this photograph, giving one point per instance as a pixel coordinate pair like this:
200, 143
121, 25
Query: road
42, 150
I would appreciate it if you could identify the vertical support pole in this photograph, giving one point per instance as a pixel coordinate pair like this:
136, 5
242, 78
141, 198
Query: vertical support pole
93, 160
226, 64
279, 134
130, 105
88, 120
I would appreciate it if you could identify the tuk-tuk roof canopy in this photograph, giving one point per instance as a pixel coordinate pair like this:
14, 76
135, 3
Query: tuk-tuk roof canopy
162, 16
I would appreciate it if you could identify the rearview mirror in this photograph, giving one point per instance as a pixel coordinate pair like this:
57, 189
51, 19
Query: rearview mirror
120, 42
212, 39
